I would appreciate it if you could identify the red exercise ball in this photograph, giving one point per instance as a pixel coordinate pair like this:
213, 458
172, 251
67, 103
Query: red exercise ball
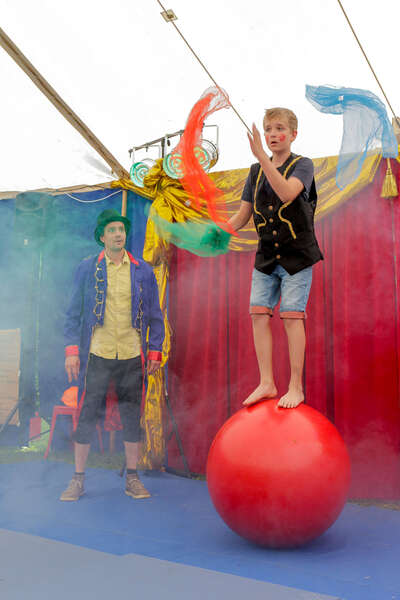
278, 477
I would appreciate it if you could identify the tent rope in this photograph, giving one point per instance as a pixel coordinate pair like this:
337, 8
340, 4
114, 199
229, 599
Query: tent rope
92, 201
204, 67
369, 64
37, 78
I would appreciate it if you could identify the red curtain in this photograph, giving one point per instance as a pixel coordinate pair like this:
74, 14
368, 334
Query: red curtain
352, 357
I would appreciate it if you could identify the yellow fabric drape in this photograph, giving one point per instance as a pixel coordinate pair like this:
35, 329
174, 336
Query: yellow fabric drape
330, 196
171, 203
153, 448
127, 184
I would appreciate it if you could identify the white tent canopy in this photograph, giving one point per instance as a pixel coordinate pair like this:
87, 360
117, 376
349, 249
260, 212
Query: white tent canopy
129, 76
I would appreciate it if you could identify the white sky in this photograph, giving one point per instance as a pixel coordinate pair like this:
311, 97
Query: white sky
129, 76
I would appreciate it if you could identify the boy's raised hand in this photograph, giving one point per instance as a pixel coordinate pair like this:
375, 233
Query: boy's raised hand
256, 144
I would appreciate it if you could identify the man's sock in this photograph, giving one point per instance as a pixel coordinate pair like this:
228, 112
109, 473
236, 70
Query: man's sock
131, 472
80, 475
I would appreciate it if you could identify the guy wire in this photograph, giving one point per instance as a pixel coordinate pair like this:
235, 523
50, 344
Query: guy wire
369, 64
205, 68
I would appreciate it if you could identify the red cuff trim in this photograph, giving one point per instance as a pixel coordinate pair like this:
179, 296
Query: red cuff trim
261, 310
154, 355
292, 314
72, 351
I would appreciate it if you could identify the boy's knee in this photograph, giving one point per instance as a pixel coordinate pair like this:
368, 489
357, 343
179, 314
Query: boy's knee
292, 322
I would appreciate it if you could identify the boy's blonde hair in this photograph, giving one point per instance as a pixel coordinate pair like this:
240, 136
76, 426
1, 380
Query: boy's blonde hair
275, 113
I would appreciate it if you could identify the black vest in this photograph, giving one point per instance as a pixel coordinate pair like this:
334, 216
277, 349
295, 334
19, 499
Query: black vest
286, 231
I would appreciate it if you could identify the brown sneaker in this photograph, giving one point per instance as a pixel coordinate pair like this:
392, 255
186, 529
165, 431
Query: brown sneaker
135, 488
74, 490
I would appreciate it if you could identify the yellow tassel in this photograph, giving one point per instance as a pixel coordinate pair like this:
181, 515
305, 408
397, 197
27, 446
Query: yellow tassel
389, 187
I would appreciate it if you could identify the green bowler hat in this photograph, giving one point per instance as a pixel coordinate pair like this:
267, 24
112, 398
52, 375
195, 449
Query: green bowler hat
109, 216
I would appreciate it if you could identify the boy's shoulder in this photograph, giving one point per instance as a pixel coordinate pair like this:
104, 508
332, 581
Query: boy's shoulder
300, 164
295, 161
301, 159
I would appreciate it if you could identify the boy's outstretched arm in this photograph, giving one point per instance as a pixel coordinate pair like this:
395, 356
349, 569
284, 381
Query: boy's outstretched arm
286, 189
241, 218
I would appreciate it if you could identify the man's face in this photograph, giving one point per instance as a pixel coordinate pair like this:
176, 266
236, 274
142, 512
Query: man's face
114, 236
278, 134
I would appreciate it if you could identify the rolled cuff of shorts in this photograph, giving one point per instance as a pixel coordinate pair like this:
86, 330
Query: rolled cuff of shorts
83, 437
261, 310
71, 351
154, 355
292, 314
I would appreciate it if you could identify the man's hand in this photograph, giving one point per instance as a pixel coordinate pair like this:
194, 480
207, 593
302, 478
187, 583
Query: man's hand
153, 366
72, 365
256, 144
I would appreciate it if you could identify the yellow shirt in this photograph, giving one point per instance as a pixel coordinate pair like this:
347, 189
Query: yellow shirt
117, 338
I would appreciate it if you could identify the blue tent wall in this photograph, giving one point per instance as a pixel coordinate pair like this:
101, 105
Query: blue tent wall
69, 239
11, 277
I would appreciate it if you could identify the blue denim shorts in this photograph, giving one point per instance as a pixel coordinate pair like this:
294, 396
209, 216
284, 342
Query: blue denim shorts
292, 290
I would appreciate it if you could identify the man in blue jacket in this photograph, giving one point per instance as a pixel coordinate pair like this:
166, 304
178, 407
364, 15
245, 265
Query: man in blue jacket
114, 328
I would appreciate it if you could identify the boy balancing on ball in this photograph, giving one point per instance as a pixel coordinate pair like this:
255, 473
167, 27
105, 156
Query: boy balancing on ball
280, 194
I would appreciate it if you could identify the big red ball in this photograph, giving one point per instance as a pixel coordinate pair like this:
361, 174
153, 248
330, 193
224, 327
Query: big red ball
278, 477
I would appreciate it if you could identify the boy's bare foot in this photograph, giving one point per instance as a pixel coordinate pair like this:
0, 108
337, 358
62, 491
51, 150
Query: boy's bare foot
262, 392
293, 398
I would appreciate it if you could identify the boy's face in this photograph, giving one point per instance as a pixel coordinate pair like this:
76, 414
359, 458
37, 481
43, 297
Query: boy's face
278, 134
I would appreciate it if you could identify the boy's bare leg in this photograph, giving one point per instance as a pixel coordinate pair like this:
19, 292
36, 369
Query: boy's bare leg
263, 344
297, 344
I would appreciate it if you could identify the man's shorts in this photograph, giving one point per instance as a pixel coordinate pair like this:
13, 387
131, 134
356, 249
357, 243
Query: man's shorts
292, 290
128, 378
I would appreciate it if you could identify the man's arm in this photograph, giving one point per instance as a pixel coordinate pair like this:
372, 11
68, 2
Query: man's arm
156, 328
72, 327
72, 366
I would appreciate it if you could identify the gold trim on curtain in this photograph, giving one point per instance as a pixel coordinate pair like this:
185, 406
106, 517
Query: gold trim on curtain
329, 195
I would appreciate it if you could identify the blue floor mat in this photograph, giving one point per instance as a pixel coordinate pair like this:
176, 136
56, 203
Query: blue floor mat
356, 559
50, 569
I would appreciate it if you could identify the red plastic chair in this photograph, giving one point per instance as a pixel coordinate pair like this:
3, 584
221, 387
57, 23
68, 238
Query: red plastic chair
72, 411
